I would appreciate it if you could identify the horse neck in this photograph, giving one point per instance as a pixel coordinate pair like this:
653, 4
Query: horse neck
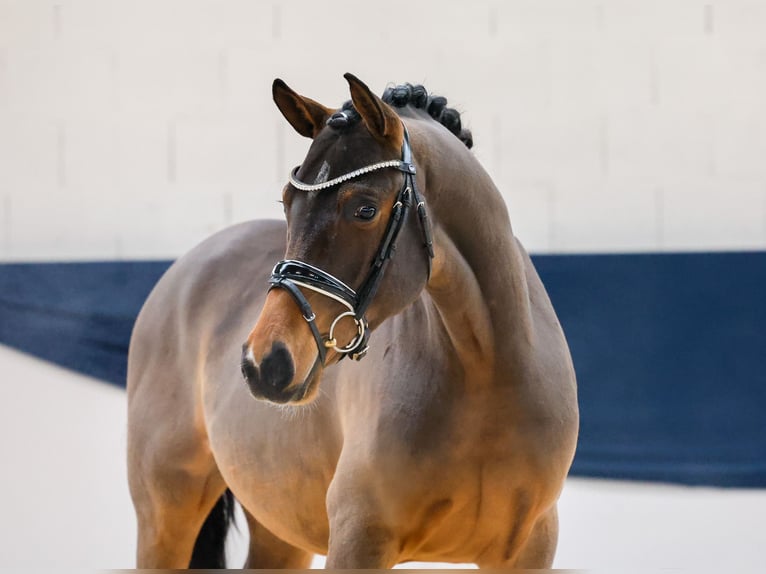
478, 283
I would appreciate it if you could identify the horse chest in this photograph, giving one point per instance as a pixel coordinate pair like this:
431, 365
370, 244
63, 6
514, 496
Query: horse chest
447, 490
463, 512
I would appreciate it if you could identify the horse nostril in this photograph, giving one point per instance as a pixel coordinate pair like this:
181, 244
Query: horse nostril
277, 368
248, 367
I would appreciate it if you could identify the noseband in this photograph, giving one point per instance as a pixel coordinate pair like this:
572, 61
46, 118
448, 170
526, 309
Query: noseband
291, 274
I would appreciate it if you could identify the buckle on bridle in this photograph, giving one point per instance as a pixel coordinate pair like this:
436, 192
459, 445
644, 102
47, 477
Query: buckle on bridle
358, 356
361, 328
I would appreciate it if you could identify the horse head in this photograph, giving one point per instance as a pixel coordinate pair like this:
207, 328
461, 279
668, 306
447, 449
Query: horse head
351, 204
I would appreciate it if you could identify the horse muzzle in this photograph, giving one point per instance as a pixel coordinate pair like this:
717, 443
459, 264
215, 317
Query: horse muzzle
271, 379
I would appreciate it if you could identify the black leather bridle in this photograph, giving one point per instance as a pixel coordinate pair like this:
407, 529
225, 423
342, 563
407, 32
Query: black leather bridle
291, 274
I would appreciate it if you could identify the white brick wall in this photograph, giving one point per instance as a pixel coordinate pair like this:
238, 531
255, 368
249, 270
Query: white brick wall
134, 128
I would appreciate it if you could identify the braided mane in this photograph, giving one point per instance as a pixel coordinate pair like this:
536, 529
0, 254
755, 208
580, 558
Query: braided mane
417, 97
436, 106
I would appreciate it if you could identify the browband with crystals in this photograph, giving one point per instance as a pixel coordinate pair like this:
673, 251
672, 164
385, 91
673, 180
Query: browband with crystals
350, 175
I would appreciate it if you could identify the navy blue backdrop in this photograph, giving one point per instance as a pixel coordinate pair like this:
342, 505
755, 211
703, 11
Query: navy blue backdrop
670, 351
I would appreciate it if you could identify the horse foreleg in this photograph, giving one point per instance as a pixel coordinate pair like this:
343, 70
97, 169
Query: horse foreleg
540, 548
170, 510
532, 551
360, 545
173, 479
268, 551
359, 537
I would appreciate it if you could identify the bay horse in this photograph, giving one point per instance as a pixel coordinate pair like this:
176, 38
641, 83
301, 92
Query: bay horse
448, 431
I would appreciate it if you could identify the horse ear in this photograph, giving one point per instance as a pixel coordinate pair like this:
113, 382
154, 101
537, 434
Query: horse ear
380, 118
304, 114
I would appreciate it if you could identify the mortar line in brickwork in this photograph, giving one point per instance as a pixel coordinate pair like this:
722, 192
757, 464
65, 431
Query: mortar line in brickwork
659, 214
3, 75
119, 251
551, 193
545, 47
600, 16
280, 151
228, 210
710, 148
223, 77
171, 165
654, 78
709, 19
56, 20
497, 145
114, 78
7, 226
61, 153
603, 144
763, 215
276, 21
492, 20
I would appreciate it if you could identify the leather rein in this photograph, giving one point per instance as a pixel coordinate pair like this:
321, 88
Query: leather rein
292, 275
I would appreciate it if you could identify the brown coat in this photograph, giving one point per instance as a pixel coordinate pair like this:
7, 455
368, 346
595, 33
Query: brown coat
450, 441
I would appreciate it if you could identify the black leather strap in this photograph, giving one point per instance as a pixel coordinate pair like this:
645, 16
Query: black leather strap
300, 271
305, 307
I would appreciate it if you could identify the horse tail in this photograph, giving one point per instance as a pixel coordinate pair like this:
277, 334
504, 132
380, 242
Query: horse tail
210, 547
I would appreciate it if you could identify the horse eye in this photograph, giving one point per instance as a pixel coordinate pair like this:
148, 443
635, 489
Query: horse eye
365, 212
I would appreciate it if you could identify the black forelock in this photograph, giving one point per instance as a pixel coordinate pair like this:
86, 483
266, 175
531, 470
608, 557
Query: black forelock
345, 118
417, 97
